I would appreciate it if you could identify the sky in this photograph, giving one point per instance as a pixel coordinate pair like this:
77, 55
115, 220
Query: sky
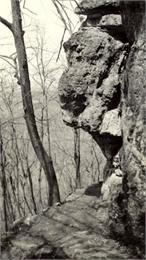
45, 14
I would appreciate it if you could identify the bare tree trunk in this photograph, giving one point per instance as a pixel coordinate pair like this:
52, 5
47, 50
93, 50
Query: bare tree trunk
98, 165
4, 192
25, 199
48, 126
31, 188
14, 196
24, 81
10, 210
77, 156
40, 187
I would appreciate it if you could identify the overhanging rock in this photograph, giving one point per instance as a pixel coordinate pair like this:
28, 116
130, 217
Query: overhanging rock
90, 88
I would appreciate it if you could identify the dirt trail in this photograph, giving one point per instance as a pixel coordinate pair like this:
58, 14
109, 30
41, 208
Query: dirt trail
75, 230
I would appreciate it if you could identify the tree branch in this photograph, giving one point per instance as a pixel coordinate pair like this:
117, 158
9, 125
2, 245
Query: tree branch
27, 8
61, 43
4, 57
6, 23
15, 66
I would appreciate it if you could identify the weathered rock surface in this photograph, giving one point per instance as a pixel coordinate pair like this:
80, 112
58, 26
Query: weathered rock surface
91, 84
96, 96
133, 119
111, 123
90, 88
112, 185
78, 229
101, 7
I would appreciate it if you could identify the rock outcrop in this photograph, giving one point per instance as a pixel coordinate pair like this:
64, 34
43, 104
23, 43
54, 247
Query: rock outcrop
133, 121
90, 88
102, 7
103, 92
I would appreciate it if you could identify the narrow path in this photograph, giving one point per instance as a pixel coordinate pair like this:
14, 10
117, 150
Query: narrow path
75, 230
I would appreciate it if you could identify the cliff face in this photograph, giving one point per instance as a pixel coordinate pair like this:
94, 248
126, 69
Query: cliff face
102, 91
90, 89
133, 115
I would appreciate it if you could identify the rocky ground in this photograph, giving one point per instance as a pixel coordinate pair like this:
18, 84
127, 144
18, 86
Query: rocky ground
77, 229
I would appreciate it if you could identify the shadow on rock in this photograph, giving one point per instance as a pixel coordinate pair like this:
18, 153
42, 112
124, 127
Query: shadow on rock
94, 190
56, 253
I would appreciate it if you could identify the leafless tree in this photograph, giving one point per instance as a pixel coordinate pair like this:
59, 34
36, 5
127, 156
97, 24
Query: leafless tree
24, 81
77, 156
3, 182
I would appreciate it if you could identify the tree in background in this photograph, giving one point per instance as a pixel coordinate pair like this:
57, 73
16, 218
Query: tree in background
3, 182
25, 188
77, 156
69, 26
24, 81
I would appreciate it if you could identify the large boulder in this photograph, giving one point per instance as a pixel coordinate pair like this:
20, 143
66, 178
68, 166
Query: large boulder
90, 88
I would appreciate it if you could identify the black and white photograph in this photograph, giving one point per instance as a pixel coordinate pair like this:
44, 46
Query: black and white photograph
72, 129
